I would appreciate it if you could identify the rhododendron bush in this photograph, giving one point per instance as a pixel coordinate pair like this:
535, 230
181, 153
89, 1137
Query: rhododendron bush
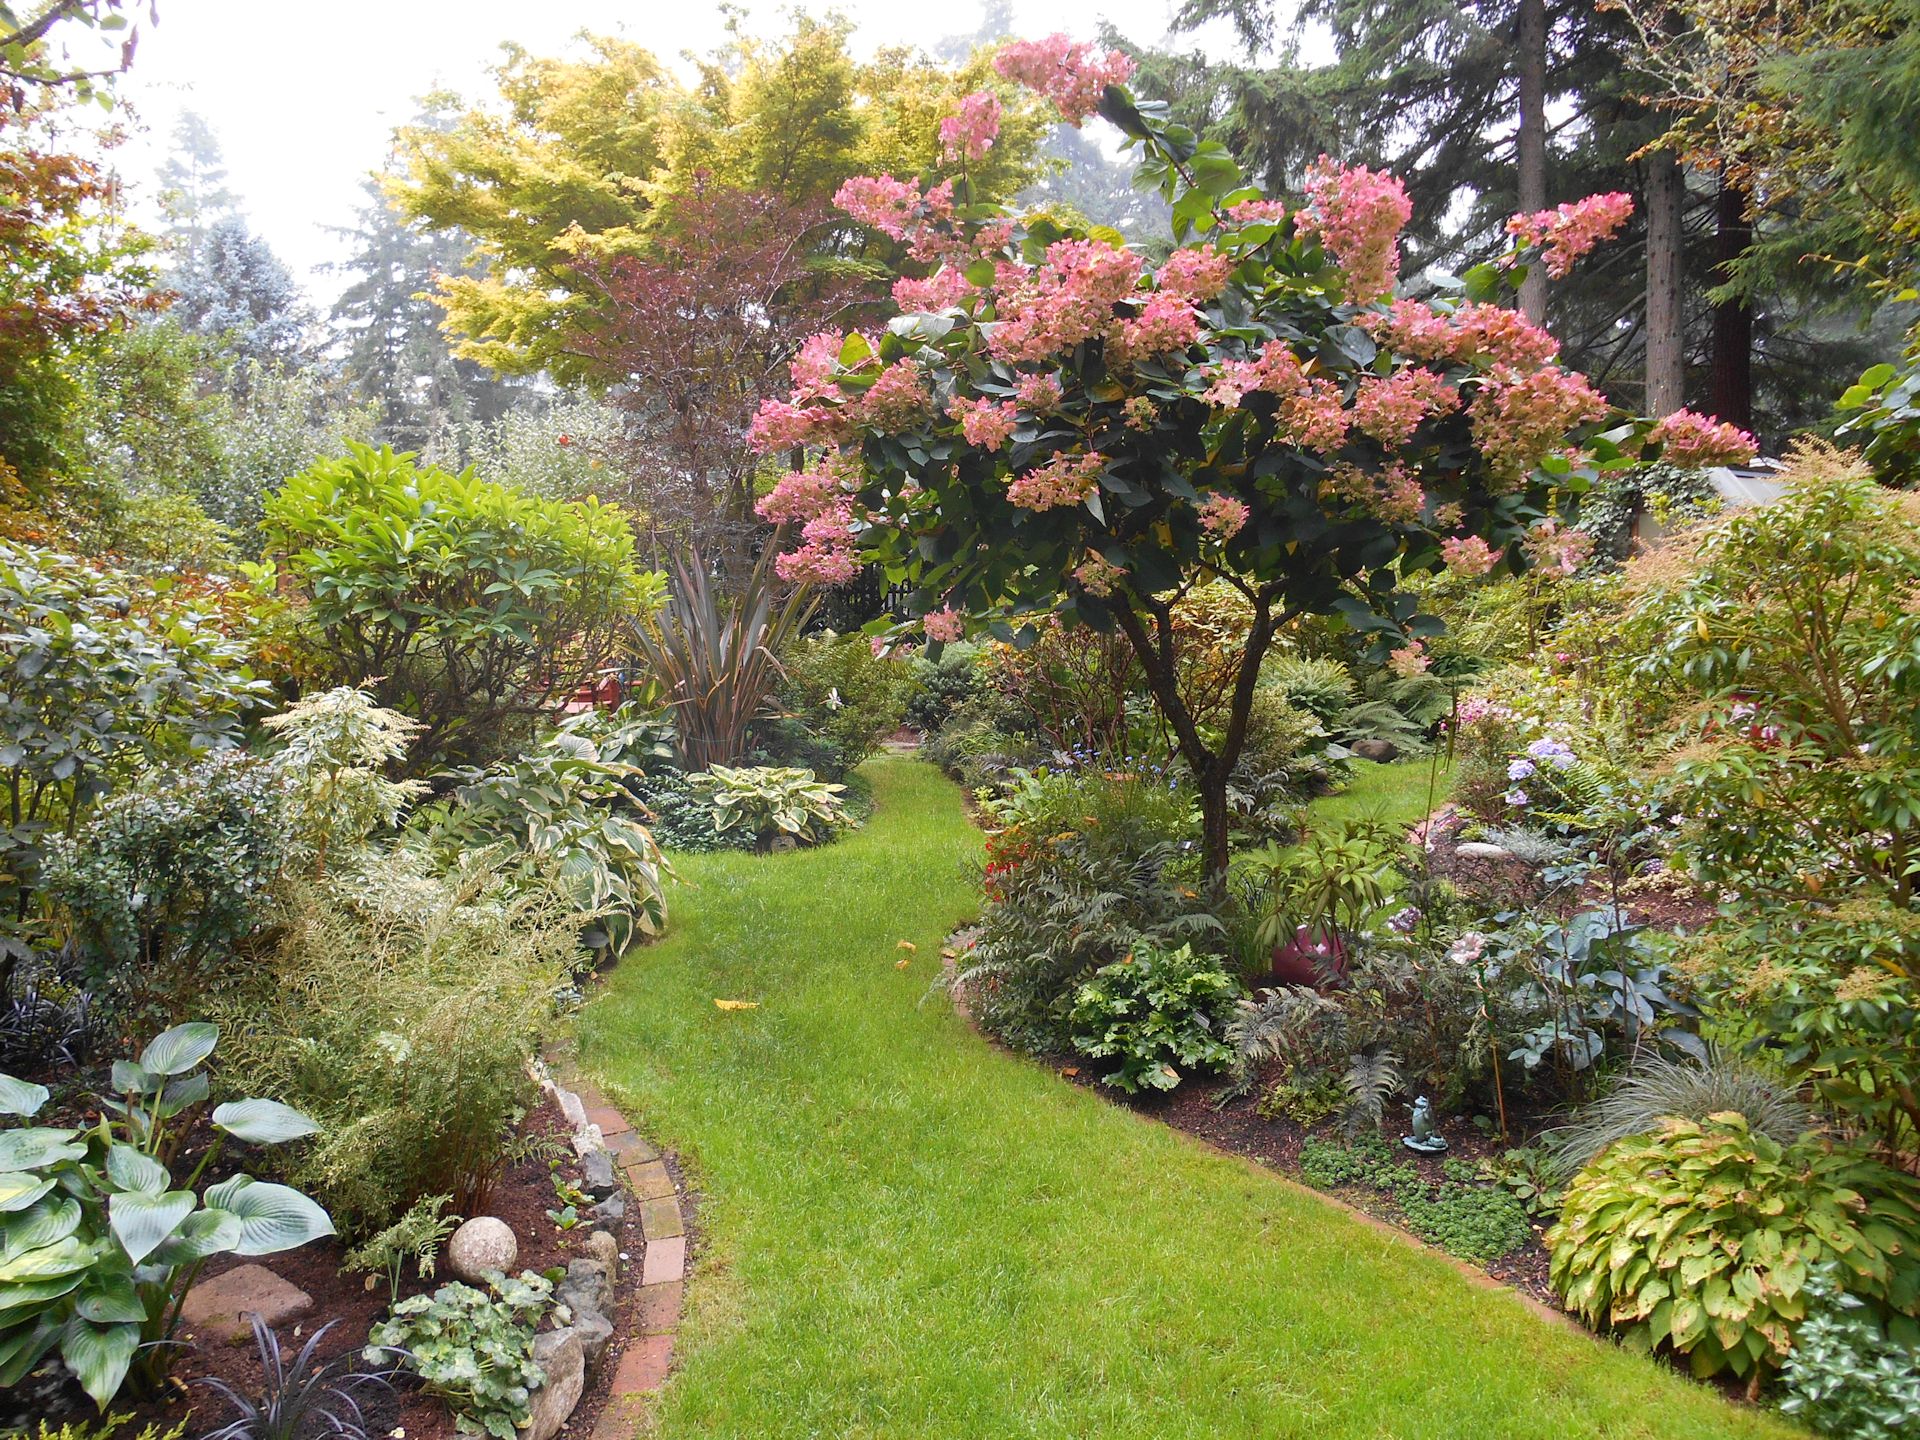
1056, 427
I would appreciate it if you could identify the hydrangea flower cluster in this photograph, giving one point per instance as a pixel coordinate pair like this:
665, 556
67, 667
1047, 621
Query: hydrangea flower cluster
1067, 299
804, 495
1223, 517
1097, 577
1358, 214
983, 422
1072, 74
1519, 417
1553, 546
944, 625
1696, 442
898, 399
946, 286
1198, 272
1474, 331
1567, 232
1392, 493
1167, 322
1470, 556
825, 556
1410, 660
1257, 212
970, 133
1039, 393
1391, 407
1063, 480
892, 206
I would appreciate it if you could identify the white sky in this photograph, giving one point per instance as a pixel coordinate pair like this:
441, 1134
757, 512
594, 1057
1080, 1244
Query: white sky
303, 98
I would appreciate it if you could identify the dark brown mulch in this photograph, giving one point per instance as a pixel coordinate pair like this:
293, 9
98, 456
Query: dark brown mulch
521, 1198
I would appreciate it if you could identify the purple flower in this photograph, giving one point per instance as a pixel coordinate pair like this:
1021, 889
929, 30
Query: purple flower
1404, 921
1520, 770
1553, 752
1515, 796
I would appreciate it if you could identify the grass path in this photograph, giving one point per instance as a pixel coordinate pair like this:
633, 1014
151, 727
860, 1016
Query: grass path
910, 1234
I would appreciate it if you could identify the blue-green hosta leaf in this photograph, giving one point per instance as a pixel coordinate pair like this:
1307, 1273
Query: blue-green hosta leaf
263, 1122
141, 1222
36, 1292
99, 1356
17, 1192
204, 1233
272, 1217
22, 1349
63, 1257
132, 1079
110, 1299
48, 1220
176, 1051
17, 1097
135, 1170
38, 1146
179, 1094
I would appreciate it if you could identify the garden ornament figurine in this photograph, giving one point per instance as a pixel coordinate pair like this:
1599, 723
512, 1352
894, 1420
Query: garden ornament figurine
1423, 1140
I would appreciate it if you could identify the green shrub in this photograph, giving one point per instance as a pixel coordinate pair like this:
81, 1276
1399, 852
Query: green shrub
472, 1349
1701, 1239
1365, 1160
1154, 1014
681, 817
164, 878
99, 679
466, 605
942, 686
1284, 739
101, 1241
1476, 1222
1323, 688
845, 694
399, 1007
560, 816
766, 802
1304, 1097
1848, 1377
335, 750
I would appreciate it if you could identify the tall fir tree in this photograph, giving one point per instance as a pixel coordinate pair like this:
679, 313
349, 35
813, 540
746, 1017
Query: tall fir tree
237, 292
193, 188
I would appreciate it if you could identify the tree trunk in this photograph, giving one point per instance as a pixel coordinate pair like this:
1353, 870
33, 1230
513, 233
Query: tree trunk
1666, 378
1531, 140
1732, 319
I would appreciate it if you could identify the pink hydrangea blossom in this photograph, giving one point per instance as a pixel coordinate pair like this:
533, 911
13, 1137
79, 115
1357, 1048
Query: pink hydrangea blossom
1553, 546
1277, 371
826, 555
1412, 328
1569, 231
814, 367
1470, 557
1391, 494
1223, 517
946, 286
1410, 660
1503, 336
984, 423
887, 204
1073, 75
1097, 577
1068, 299
1139, 412
804, 495
1167, 322
1520, 417
1197, 272
898, 399
944, 625
1257, 212
1039, 393
1391, 407
1358, 214
970, 133
1315, 417
780, 425
1063, 480
1696, 441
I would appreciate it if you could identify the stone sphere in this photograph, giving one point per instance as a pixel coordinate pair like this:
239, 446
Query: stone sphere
482, 1243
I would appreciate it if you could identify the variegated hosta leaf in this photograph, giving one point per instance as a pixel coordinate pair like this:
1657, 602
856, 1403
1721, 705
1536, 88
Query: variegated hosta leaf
183, 1048
263, 1122
272, 1217
63, 1257
203, 1233
48, 1220
135, 1170
18, 1191
18, 1097
36, 1292
99, 1356
141, 1222
38, 1146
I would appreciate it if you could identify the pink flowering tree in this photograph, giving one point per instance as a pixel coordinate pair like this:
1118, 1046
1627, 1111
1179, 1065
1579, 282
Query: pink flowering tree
1053, 426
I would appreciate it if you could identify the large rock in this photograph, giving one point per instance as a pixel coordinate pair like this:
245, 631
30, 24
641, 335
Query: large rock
221, 1306
588, 1288
596, 1334
597, 1176
562, 1359
603, 1247
612, 1210
482, 1244
1481, 850
1381, 750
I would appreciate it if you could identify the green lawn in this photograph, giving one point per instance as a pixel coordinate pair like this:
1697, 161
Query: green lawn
910, 1234
1405, 792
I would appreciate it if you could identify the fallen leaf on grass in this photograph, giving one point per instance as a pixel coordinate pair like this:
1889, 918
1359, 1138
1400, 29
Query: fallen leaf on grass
903, 962
906, 945
1069, 1070
736, 1004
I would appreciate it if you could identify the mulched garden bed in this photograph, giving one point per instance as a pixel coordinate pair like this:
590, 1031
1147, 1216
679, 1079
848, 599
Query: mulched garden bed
521, 1198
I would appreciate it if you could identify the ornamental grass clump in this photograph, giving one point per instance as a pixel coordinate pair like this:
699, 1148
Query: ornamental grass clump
1702, 1240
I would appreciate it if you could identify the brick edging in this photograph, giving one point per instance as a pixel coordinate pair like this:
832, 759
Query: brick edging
643, 1366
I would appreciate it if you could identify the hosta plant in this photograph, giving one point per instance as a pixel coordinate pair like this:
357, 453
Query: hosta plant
99, 1242
1702, 1239
472, 1349
772, 800
1154, 1014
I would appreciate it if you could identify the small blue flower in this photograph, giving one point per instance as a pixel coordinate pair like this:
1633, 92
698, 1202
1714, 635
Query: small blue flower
1520, 770
1515, 797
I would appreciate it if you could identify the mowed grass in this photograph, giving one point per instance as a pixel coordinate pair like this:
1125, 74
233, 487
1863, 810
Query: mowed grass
1404, 792
908, 1233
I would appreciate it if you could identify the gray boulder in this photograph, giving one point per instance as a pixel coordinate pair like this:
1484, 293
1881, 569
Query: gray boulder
563, 1360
